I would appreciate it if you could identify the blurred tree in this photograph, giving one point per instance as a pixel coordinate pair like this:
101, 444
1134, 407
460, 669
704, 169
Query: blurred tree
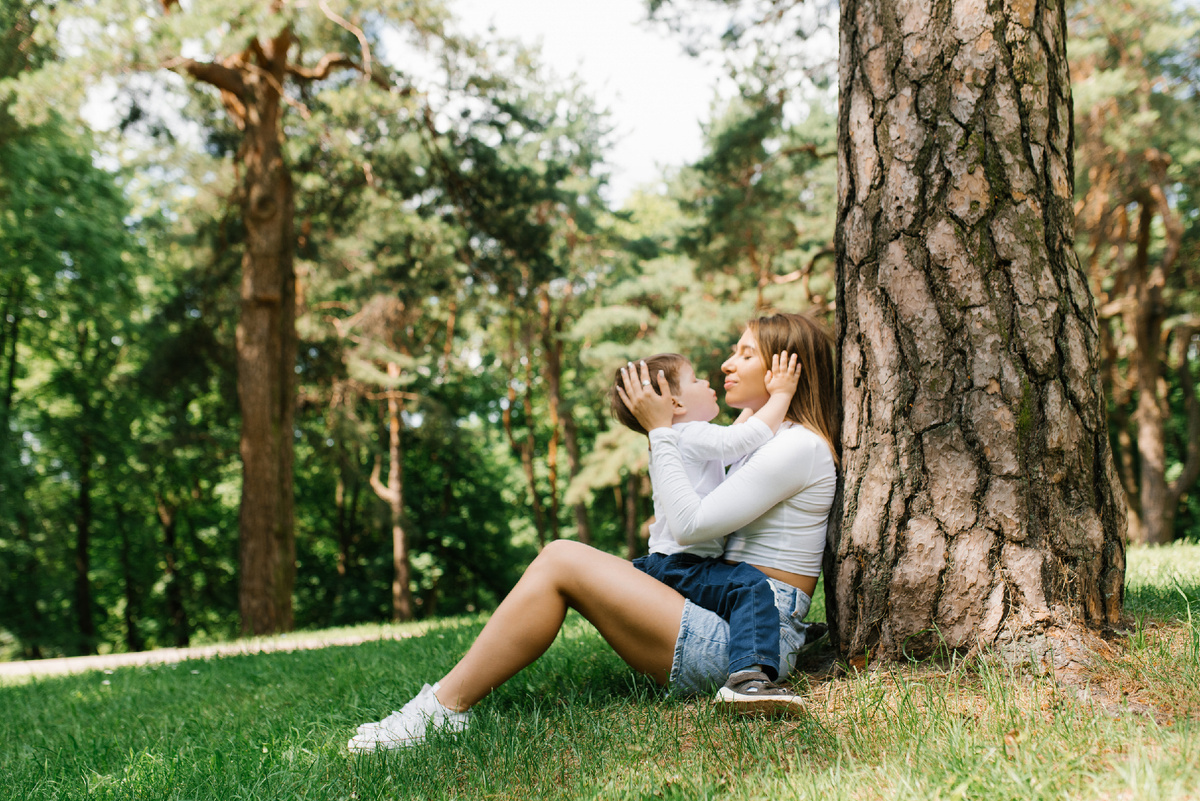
67, 260
1136, 122
257, 54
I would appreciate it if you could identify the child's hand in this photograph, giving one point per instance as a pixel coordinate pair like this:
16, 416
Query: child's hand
784, 375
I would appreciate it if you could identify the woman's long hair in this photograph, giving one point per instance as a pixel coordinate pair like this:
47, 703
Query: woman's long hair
815, 403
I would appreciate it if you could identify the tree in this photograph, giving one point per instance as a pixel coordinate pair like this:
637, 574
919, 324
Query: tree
259, 55
1136, 119
980, 506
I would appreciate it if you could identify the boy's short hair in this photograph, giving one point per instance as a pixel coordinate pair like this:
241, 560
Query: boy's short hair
670, 363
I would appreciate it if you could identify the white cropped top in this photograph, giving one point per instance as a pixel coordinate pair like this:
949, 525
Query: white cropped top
774, 504
705, 450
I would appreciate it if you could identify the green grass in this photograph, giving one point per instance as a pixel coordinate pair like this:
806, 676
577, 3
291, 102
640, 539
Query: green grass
579, 724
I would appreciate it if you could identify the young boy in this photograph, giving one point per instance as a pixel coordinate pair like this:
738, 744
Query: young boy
739, 593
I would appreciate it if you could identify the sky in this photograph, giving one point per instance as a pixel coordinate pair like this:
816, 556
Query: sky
657, 95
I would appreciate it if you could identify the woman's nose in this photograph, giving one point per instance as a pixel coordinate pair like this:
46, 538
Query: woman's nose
727, 366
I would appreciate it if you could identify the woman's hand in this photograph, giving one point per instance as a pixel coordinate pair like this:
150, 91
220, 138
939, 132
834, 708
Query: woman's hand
653, 410
784, 375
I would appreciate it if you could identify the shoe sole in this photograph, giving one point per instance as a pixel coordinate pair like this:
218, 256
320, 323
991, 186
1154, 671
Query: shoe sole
730, 701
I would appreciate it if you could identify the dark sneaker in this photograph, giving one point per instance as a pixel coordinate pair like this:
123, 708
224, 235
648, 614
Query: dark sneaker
752, 691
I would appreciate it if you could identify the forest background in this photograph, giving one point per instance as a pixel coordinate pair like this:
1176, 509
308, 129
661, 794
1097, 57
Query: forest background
462, 295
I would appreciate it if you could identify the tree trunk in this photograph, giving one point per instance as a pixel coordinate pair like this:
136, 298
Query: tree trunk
631, 517
980, 504
177, 620
1151, 415
393, 493
133, 637
552, 353
85, 619
266, 345
583, 523
8, 346
402, 603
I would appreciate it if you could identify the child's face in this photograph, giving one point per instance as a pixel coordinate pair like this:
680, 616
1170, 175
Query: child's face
697, 400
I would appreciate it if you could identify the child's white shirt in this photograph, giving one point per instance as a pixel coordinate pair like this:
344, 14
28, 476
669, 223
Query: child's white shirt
706, 449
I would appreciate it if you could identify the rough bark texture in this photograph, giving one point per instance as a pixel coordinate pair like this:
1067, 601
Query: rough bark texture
266, 345
980, 505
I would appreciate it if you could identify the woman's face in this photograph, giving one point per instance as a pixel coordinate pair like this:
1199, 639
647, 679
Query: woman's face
745, 375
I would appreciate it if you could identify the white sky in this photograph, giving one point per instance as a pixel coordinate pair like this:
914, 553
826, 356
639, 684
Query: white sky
657, 95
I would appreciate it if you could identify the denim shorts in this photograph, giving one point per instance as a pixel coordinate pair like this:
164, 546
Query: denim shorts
701, 661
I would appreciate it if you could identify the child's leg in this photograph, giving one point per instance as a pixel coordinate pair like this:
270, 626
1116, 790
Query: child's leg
741, 595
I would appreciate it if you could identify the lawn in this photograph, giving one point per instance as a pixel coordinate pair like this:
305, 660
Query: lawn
578, 724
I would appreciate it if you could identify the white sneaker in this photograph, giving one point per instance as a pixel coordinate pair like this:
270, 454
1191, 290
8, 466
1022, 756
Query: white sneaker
409, 725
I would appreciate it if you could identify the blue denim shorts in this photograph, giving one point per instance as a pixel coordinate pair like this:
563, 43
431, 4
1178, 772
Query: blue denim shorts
701, 662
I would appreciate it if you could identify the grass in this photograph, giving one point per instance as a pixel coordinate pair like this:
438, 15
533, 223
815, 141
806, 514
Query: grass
579, 724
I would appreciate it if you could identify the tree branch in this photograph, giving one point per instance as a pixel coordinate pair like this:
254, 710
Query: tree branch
224, 78
358, 34
380, 488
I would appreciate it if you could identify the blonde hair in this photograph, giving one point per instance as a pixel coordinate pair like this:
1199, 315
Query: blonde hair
671, 364
815, 403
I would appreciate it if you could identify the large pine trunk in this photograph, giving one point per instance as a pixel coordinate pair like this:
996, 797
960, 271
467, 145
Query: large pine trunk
266, 345
980, 507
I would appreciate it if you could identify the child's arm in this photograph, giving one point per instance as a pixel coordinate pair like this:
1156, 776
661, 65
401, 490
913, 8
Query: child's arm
744, 416
727, 444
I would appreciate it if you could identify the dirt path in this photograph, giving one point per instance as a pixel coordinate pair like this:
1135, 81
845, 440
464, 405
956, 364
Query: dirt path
162, 656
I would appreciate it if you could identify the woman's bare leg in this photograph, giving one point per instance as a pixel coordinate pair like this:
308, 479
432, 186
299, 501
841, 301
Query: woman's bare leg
637, 615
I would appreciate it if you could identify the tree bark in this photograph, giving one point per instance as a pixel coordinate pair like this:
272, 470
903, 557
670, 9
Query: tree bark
980, 505
266, 345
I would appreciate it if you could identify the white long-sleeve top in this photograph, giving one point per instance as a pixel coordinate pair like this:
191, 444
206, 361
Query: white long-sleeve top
774, 504
704, 451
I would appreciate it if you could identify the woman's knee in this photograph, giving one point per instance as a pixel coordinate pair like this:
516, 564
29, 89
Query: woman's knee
560, 557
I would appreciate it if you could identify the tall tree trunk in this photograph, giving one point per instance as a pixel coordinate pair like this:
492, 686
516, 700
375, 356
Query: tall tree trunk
393, 493
177, 622
525, 448
85, 619
84, 616
631, 517
133, 636
529, 448
266, 345
583, 523
980, 502
8, 348
1151, 415
552, 353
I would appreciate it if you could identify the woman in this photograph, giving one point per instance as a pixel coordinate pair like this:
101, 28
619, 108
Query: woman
777, 500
